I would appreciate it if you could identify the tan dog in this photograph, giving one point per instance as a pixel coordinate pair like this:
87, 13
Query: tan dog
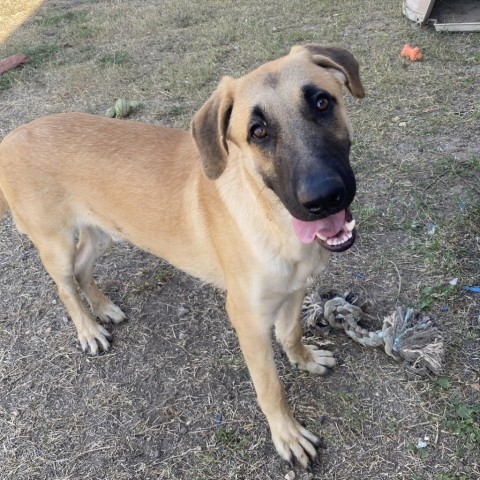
252, 201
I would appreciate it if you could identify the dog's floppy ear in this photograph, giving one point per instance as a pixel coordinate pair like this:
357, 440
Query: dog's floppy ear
341, 60
209, 129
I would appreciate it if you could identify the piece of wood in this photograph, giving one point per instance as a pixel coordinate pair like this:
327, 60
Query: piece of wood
12, 61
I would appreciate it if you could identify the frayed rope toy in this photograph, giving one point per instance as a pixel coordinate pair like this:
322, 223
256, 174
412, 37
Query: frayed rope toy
406, 335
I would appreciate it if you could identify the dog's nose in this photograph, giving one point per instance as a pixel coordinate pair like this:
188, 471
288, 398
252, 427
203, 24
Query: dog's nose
322, 196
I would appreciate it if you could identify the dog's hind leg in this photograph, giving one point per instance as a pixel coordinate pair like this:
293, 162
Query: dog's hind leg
92, 243
288, 330
57, 252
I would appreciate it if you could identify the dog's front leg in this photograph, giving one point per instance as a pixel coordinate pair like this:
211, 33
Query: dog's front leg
254, 330
289, 332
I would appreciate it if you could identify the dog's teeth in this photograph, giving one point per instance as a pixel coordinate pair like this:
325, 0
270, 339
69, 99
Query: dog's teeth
320, 237
350, 225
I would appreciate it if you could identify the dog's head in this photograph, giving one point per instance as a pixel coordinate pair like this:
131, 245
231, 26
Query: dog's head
288, 119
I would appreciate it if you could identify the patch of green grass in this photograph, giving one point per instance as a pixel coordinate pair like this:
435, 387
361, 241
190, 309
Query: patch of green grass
299, 37
85, 31
229, 438
343, 397
447, 217
367, 217
464, 423
115, 58
184, 19
449, 250
452, 165
473, 59
422, 453
460, 420
442, 383
76, 25
189, 15
225, 436
39, 54
7, 80
393, 426
354, 414
428, 295
143, 287
178, 110
452, 476
58, 20
163, 275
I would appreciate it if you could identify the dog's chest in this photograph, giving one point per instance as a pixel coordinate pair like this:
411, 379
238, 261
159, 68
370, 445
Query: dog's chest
291, 273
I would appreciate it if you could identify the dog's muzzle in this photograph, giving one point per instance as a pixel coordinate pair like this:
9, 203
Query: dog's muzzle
335, 233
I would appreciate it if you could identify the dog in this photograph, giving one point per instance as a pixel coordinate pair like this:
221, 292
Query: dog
253, 200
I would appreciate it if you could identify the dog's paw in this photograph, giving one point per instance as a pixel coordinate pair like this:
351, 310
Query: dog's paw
314, 360
295, 443
94, 338
109, 313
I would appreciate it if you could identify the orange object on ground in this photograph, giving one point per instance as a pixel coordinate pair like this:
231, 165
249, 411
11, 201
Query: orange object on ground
11, 62
412, 53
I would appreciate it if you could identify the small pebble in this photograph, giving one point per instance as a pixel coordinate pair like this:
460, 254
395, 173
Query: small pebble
290, 475
182, 336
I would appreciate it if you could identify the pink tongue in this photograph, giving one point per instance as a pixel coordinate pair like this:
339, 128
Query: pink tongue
326, 227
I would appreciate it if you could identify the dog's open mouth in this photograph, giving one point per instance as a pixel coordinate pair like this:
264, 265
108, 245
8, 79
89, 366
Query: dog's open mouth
335, 232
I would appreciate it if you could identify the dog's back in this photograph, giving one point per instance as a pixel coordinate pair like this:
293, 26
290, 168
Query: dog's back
56, 166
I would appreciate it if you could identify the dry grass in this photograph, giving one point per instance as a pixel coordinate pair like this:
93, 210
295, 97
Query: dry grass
13, 13
173, 398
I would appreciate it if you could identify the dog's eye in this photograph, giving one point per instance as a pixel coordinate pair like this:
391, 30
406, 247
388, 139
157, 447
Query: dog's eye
322, 103
259, 132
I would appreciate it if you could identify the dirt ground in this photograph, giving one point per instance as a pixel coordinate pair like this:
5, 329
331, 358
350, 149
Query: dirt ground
173, 398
